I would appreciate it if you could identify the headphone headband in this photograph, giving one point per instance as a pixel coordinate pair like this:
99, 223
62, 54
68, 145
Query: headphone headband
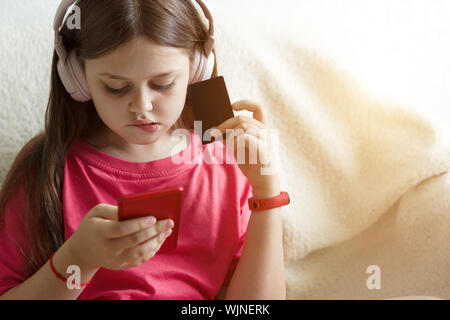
57, 23
65, 4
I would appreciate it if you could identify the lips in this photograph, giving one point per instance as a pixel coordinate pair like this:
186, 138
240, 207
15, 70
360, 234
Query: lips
149, 127
143, 123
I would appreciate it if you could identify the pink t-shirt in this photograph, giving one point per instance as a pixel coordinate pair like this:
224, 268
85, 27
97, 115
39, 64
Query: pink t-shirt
211, 234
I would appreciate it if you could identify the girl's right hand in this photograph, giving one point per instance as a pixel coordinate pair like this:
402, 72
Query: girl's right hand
102, 241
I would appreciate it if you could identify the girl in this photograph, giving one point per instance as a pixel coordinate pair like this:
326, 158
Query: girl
131, 62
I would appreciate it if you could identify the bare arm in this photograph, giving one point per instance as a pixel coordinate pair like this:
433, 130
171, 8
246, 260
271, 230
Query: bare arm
259, 274
100, 240
44, 285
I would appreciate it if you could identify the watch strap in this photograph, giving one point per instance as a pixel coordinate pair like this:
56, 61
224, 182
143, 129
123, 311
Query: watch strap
269, 203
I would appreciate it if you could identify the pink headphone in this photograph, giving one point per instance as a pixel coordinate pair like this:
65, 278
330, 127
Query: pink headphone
72, 74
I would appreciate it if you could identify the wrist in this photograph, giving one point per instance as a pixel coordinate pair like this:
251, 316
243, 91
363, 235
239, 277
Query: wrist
65, 257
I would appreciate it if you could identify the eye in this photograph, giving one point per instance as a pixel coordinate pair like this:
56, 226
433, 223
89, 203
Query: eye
164, 87
115, 91
122, 90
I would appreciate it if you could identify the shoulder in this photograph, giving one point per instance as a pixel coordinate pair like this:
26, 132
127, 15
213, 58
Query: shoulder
31, 145
14, 185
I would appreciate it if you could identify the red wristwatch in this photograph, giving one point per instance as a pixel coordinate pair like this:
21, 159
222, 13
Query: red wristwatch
269, 203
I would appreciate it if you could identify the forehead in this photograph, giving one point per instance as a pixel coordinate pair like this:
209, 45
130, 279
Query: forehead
140, 56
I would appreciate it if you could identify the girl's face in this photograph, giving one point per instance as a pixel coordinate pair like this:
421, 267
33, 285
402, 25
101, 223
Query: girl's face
139, 81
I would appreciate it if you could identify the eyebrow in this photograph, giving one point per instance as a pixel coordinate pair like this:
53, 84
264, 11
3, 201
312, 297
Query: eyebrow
113, 76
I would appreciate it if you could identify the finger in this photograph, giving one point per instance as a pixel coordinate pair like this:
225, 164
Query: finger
146, 250
140, 236
118, 229
104, 211
250, 129
227, 124
247, 148
252, 106
233, 122
252, 121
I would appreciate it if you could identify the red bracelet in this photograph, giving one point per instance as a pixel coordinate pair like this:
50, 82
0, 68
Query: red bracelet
60, 276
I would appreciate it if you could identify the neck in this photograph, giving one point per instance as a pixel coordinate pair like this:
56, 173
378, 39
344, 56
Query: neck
109, 142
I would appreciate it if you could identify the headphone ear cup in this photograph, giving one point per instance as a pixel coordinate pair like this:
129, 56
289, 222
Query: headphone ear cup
78, 78
65, 76
209, 67
194, 69
73, 78
202, 67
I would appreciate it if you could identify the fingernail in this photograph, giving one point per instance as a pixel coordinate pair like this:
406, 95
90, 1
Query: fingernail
168, 232
168, 223
151, 220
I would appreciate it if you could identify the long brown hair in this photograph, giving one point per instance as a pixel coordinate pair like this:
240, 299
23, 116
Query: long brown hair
39, 166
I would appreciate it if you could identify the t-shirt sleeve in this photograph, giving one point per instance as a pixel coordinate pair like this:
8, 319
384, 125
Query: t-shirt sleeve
13, 242
245, 193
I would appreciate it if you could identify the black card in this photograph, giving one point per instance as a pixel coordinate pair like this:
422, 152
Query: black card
210, 103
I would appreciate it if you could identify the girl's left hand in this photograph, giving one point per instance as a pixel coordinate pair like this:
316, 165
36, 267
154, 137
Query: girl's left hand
257, 137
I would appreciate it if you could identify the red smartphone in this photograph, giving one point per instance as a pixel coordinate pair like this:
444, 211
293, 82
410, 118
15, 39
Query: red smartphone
162, 204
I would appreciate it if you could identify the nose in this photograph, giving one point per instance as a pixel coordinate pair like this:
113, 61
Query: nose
141, 102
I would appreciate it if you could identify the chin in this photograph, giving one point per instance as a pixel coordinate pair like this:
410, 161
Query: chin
146, 139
